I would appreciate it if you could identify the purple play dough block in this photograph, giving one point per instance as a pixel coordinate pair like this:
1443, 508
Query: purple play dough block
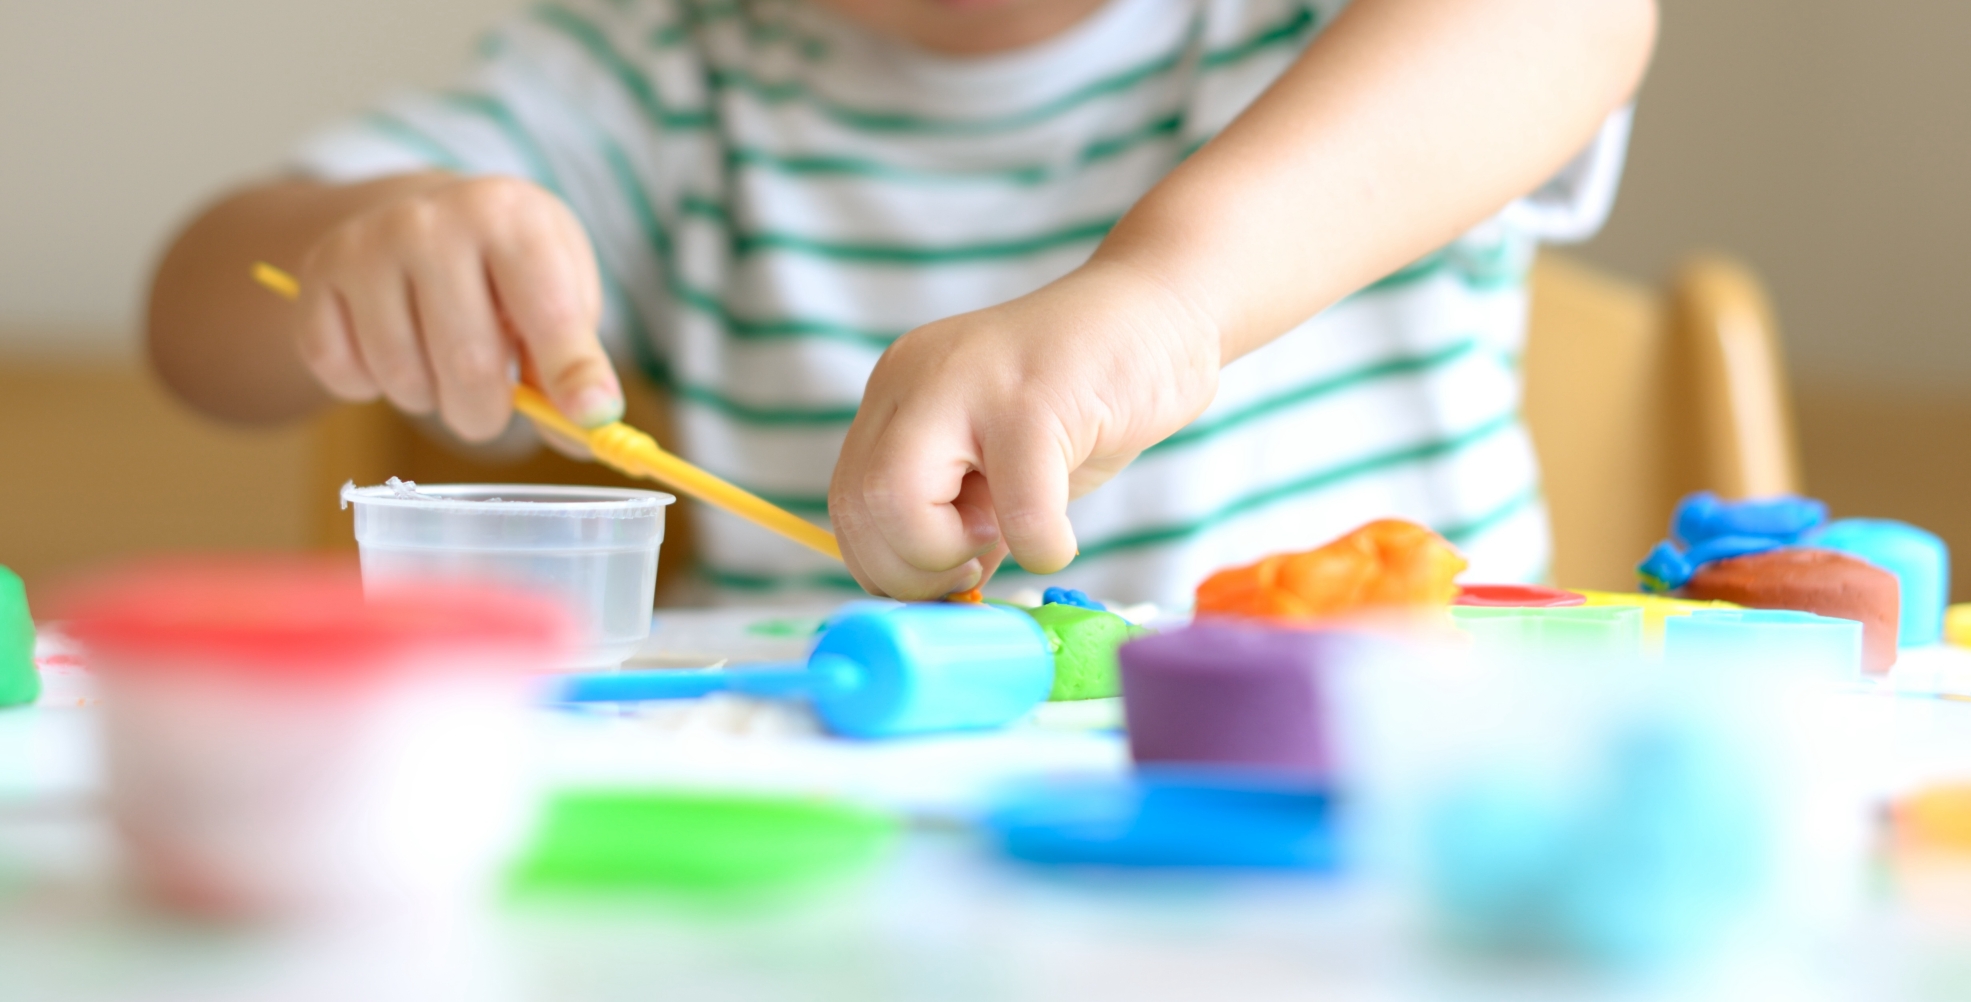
1231, 695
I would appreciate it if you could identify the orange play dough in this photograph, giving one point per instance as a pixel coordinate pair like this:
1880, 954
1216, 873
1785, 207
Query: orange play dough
1388, 562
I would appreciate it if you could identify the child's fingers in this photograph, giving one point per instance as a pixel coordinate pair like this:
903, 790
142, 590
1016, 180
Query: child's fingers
545, 283
882, 572
467, 350
916, 472
1027, 469
378, 304
328, 348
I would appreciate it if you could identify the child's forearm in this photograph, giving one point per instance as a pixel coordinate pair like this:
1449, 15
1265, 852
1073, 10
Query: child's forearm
220, 341
1405, 123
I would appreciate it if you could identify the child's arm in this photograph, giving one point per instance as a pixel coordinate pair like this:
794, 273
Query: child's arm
1405, 123
418, 288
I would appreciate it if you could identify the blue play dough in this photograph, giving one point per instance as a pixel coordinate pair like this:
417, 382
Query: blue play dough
1919, 560
1168, 818
1704, 516
1706, 528
1070, 596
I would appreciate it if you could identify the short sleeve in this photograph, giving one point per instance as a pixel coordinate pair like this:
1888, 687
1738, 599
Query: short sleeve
554, 98
475, 127
1573, 205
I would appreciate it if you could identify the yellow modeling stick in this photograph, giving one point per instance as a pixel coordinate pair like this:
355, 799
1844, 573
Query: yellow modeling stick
630, 451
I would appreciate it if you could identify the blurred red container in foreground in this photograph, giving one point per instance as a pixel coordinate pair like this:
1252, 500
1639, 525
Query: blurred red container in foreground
280, 744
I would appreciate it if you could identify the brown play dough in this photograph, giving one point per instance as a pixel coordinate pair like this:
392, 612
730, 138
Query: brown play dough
1817, 581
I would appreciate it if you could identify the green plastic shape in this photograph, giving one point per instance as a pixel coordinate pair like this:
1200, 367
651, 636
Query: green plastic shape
699, 843
1581, 629
20, 684
1084, 642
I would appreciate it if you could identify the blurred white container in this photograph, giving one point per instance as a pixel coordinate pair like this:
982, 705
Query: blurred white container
592, 548
281, 742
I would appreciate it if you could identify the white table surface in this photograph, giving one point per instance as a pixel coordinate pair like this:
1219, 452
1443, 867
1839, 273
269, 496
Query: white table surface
944, 919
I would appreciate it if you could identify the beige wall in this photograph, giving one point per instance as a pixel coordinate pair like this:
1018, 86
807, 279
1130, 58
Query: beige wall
117, 116
1829, 143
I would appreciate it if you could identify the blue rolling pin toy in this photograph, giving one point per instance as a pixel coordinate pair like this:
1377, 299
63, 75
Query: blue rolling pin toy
913, 669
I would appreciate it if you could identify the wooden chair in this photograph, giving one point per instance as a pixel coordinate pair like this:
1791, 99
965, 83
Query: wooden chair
1634, 397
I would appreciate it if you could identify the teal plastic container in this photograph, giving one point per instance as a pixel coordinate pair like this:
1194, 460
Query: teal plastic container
1795, 641
1553, 631
1919, 560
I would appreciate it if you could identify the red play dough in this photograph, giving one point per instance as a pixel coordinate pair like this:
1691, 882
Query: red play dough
1817, 581
1517, 596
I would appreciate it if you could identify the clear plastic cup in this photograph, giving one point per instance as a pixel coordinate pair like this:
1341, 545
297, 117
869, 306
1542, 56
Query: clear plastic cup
593, 548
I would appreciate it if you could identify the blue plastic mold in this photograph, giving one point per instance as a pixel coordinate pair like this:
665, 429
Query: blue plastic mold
1169, 818
1797, 641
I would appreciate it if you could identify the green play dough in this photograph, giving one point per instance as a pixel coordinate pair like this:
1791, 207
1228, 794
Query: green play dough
19, 683
1084, 643
698, 842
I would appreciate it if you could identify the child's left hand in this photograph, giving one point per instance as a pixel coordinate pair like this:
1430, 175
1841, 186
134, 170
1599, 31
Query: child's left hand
975, 431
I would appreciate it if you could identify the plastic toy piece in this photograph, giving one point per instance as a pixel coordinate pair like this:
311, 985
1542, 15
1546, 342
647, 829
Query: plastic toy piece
1810, 580
1919, 560
20, 684
1670, 849
1084, 642
698, 842
1232, 694
1069, 596
917, 669
1957, 624
1612, 631
1169, 818
1937, 817
1520, 596
1802, 642
1656, 610
971, 596
632, 452
1382, 564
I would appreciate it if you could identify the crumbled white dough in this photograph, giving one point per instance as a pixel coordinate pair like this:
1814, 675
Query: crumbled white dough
407, 489
724, 714
1029, 597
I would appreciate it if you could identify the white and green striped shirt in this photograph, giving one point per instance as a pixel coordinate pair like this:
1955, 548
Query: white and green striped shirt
774, 196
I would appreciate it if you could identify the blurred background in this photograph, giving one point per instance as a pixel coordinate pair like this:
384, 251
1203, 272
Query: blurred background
1823, 143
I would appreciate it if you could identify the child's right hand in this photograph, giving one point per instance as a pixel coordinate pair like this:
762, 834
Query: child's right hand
431, 295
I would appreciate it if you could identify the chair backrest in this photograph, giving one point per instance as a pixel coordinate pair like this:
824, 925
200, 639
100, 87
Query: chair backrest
1635, 397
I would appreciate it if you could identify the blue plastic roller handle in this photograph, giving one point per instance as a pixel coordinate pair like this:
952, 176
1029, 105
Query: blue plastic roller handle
914, 669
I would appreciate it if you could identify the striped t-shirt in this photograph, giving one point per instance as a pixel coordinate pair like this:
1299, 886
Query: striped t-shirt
775, 195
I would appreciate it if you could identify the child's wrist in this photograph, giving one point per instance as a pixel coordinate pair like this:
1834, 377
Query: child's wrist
1166, 305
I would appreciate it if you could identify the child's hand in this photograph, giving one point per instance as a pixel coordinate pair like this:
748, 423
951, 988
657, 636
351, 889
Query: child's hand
974, 432
429, 297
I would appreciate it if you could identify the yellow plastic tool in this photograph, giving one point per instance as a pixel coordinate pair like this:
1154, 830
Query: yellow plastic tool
630, 451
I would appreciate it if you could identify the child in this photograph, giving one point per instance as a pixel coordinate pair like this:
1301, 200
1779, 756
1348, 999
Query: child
1080, 211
